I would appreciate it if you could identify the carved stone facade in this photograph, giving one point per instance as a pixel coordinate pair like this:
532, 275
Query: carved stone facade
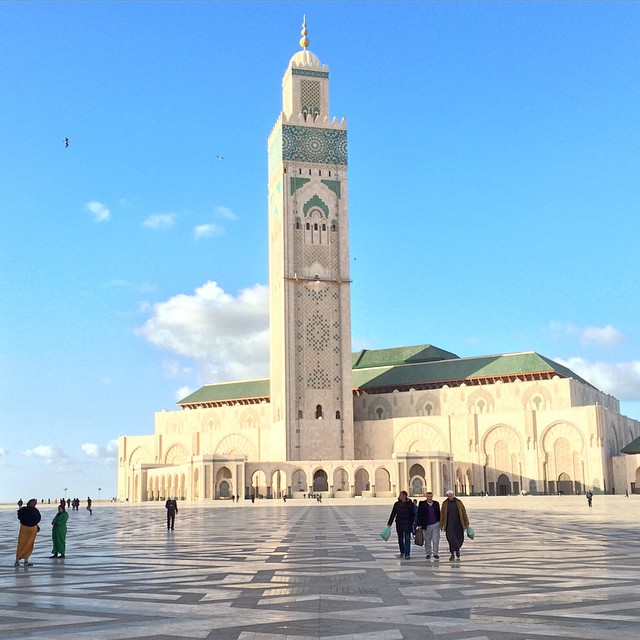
416, 418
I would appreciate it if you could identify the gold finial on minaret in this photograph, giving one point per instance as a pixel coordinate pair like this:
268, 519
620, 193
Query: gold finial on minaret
304, 41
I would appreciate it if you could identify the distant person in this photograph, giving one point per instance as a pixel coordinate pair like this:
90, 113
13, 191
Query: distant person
453, 521
402, 513
89, 503
29, 517
428, 519
233, 498
589, 496
626, 493
59, 532
172, 508
237, 498
68, 503
20, 503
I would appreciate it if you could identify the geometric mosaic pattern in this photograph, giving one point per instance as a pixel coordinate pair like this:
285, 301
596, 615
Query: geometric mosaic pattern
539, 568
309, 144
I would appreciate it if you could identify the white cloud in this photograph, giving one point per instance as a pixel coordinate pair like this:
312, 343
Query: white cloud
607, 336
602, 336
225, 212
47, 453
3, 451
105, 455
159, 221
98, 210
183, 392
175, 369
207, 231
621, 379
227, 336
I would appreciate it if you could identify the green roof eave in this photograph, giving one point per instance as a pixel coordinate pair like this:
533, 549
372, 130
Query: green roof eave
229, 392
632, 448
413, 370
460, 369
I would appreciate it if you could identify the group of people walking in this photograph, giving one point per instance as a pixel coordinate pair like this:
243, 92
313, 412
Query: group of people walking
430, 518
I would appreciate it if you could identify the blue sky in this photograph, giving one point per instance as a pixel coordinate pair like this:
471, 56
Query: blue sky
493, 189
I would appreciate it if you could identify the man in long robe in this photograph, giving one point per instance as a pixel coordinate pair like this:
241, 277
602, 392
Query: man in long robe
453, 521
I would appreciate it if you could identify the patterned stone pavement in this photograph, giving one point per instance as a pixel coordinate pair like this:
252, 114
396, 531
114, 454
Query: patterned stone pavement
539, 567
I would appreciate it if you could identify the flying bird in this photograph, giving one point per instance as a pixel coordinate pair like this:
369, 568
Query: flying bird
66, 142
220, 157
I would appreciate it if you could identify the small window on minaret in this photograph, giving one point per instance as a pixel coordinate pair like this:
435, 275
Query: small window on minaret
337, 415
319, 172
324, 226
300, 414
319, 412
299, 172
297, 224
380, 412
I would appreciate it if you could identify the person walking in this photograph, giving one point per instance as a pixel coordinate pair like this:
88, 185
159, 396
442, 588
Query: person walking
589, 496
89, 503
428, 519
171, 505
59, 532
29, 517
403, 514
453, 521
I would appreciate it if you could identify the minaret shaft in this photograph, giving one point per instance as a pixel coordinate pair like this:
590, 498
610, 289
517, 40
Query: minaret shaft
311, 390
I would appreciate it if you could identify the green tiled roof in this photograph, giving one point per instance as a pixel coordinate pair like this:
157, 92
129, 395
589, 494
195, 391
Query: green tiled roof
460, 369
632, 447
422, 365
399, 355
229, 391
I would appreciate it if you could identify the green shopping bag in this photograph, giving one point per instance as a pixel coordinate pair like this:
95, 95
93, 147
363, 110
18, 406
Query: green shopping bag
470, 533
385, 533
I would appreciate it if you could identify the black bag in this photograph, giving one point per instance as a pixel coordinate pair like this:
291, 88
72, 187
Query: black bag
419, 537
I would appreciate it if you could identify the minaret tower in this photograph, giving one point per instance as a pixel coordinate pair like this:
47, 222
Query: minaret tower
311, 391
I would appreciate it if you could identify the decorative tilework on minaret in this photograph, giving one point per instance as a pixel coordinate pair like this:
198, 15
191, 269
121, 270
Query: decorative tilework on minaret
311, 392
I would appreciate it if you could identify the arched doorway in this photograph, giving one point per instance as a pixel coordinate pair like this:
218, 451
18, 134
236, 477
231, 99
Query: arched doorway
382, 480
362, 482
223, 486
565, 485
299, 481
278, 484
320, 481
341, 480
417, 480
258, 484
504, 485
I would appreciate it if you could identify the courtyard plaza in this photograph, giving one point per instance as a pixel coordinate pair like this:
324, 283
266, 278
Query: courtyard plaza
539, 567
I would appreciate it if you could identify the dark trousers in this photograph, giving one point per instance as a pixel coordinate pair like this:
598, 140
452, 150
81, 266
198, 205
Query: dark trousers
404, 542
171, 518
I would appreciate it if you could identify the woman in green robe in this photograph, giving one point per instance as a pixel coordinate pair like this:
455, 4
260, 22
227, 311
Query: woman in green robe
59, 532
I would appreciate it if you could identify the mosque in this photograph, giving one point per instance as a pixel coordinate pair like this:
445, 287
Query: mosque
371, 423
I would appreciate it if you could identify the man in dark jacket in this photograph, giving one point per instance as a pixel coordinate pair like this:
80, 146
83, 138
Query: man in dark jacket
404, 513
429, 521
172, 508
